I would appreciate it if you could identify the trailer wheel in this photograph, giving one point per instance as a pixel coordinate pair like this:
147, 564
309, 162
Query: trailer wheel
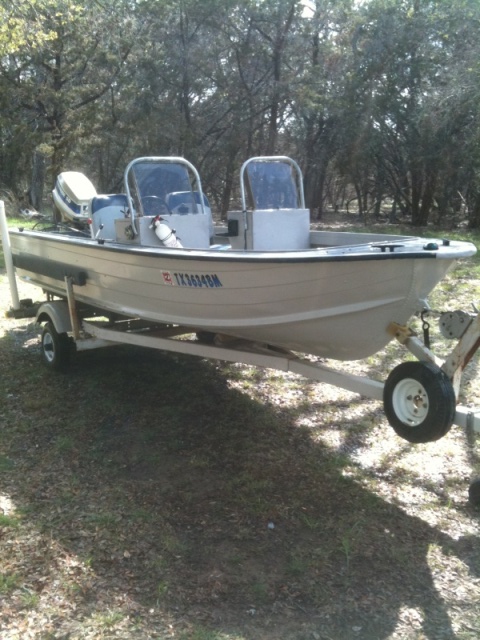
474, 493
56, 347
419, 401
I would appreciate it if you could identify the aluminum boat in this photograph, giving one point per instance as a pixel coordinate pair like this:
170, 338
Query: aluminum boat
152, 253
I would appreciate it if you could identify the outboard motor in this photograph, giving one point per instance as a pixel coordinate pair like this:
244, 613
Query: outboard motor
72, 195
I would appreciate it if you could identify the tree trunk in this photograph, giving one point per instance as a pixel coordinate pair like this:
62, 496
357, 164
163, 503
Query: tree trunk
35, 192
474, 212
428, 197
228, 184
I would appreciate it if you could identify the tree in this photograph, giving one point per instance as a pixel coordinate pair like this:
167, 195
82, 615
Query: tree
375, 100
403, 57
54, 83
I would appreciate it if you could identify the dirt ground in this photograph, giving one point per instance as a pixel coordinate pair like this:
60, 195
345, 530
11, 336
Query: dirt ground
146, 495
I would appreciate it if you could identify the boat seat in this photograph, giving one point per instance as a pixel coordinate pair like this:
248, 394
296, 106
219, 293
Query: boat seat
270, 229
105, 209
181, 203
192, 229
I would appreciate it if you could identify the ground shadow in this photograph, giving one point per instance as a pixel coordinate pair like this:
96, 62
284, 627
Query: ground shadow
187, 499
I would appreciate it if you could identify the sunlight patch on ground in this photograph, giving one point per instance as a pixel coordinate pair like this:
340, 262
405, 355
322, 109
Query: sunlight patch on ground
411, 616
6, 505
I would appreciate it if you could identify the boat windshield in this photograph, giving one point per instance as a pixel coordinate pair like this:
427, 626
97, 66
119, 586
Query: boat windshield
162, 188
271, 185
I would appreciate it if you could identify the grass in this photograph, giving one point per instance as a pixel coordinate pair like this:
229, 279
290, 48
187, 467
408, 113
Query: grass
8, 583
6, 464
29, 599
108, 620
201, 633
8, 521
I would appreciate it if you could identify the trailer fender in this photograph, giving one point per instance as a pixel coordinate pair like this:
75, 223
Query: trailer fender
56, 312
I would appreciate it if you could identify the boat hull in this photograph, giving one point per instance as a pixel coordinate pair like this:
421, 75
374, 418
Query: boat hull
325, 303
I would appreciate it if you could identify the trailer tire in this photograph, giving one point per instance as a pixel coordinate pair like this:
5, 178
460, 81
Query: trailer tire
419, 401
56, 347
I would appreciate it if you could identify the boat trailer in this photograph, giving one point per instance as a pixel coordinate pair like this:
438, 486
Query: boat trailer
419, 397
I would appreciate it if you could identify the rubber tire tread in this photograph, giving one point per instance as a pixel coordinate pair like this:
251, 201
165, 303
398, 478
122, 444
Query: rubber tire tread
441, 397
62, 348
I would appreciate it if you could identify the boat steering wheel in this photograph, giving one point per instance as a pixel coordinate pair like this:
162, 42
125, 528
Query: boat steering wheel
153, 206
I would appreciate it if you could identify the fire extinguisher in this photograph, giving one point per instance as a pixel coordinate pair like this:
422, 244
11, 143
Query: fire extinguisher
164, 233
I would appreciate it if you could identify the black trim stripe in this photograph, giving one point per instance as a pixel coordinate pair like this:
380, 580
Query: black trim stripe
50, 268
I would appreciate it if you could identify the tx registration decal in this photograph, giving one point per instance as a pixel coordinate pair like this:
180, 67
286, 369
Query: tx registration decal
197, 280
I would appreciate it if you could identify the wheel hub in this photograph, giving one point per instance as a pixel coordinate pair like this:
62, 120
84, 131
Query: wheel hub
48, 347
410, 401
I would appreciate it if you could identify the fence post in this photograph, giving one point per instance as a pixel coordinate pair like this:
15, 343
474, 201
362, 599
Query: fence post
7, 252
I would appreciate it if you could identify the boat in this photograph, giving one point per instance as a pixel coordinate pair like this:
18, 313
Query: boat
266, 278
151, 263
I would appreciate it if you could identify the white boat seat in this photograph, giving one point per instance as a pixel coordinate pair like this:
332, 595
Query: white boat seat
192, 229
105, 209
270, 230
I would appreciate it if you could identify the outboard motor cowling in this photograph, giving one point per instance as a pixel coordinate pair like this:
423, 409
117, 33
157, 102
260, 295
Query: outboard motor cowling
72, 195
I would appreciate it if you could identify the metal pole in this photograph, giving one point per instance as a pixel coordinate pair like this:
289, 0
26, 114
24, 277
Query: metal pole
72, 308
8, 257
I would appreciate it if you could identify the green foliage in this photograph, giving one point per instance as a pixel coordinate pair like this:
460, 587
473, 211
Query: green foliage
6, 464
8, 521
8, 582
21, 25
377, 100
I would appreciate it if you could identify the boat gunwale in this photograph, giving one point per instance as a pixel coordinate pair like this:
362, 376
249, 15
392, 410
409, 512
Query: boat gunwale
290, 257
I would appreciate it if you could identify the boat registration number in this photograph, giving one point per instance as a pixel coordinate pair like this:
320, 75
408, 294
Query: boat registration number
196, 280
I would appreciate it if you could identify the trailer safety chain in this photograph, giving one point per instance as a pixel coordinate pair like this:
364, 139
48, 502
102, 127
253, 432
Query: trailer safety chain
425, 328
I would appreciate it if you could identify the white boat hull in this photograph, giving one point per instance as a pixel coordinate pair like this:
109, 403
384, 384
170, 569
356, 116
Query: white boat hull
328, 302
